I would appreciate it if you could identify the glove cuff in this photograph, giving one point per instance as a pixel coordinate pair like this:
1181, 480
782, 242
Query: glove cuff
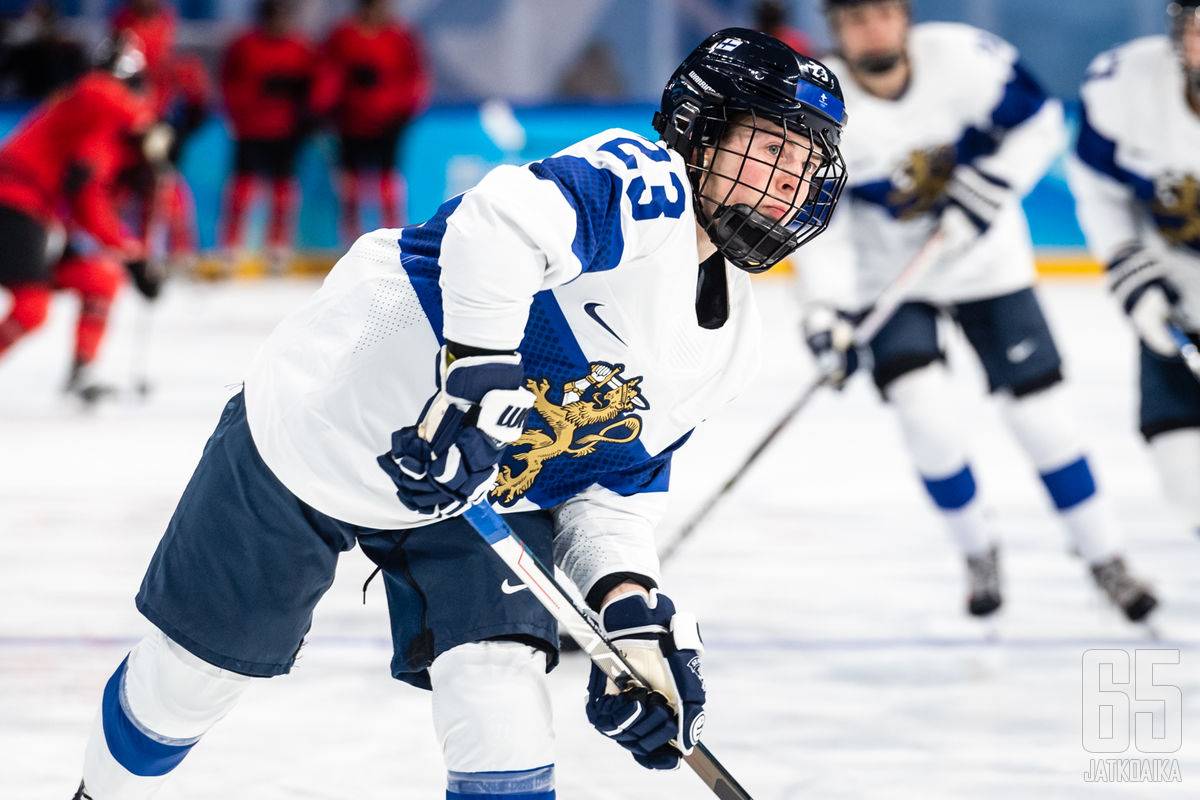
980, 195
1133, 271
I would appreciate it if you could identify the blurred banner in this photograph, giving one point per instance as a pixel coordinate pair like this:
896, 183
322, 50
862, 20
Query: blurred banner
450, 148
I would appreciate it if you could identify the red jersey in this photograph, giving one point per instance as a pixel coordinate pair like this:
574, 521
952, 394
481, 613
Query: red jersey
372, 77
266, 81
61, 160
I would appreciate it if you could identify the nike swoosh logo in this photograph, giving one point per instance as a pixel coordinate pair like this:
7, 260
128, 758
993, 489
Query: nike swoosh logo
1021, 351
509, 588
590, 310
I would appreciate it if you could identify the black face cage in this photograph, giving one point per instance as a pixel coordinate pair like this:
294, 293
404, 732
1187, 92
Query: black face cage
757, 198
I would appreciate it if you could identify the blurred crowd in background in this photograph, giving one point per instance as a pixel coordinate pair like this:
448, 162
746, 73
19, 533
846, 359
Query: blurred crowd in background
331, 75
275, 131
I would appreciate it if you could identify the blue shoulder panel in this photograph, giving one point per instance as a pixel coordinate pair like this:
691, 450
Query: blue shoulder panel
1022, 98
420, 249
595, 196
1100, 153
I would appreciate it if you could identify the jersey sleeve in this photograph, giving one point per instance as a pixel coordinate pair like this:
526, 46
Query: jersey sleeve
1023, 131
599, 532
526, 229
609, 527
1106, 193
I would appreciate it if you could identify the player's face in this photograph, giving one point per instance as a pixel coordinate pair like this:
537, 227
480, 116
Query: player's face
1190, 44
872, 36
763, 166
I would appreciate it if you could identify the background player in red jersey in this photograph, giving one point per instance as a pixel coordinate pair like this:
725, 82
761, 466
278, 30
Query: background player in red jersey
266, 78
373, 82
57, 171
180, 92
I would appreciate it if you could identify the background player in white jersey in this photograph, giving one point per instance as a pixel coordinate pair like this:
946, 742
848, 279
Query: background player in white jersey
950, 131
1136, 179
546, 341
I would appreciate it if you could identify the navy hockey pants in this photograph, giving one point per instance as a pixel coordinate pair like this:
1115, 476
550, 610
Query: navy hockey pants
244, 561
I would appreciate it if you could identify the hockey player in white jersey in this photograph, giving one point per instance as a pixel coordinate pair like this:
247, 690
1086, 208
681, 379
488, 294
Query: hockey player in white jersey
1135, 173
950, 131
543, 343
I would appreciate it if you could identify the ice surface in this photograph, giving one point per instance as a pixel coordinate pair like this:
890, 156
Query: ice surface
840, 663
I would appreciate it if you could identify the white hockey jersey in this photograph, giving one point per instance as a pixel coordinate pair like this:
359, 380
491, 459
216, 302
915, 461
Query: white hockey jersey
1135, 171
968, 101
587, 263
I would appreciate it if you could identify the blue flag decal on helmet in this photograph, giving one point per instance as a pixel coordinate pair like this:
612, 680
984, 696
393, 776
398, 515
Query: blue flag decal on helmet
819, 98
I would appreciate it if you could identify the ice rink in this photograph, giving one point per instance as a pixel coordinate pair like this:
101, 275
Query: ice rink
840, 661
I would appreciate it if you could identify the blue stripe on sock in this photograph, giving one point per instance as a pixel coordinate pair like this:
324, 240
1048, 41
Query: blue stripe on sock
1070, 485
954, 492
529, 784
133, 749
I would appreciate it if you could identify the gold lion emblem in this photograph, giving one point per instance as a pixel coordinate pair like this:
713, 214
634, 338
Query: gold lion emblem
921, 181
597, 398
1177, 201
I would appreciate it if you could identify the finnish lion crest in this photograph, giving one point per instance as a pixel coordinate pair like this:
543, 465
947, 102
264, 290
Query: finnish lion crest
921, 181
594, 410
1176, 208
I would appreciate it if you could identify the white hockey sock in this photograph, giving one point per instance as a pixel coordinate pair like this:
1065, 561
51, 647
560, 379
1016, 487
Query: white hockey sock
492, 714
1042, 423
1177, 456
158, 703
934, 430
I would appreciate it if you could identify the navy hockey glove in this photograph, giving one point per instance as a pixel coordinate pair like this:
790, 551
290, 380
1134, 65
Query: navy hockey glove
447, 461
972, 201
830, 338
664, 648
1138, 281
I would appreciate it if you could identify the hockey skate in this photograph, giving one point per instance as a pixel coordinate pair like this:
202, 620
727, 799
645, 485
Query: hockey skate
1126, 592
983, 582
81, 793
82, 383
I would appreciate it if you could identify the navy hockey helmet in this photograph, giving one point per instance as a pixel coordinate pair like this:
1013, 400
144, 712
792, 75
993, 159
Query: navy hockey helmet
727, 110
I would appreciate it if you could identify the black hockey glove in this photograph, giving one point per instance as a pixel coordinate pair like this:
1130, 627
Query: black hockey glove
1138, 280
664, 647
972, 201
447, 461
147, 277
830, 338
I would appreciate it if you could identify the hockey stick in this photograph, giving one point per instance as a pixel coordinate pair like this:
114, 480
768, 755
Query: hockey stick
1187, 349
889, 300
140, 366
540, 580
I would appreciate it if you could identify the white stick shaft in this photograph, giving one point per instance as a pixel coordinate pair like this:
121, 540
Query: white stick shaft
899, 289
530, 571
1187, 349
